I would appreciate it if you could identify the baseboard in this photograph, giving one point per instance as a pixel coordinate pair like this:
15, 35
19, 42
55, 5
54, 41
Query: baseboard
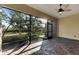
67, 38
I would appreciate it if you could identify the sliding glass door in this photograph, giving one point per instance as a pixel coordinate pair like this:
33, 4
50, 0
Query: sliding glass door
49, 29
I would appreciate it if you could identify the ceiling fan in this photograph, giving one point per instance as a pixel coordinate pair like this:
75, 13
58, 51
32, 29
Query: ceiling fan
61, 10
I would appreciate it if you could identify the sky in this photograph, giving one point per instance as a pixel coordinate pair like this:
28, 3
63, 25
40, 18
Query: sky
7, 12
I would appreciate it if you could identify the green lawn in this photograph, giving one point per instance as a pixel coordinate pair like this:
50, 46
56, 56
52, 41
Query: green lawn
9, 37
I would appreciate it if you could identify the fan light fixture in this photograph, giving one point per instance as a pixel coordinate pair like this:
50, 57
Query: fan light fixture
60, 11
63, 8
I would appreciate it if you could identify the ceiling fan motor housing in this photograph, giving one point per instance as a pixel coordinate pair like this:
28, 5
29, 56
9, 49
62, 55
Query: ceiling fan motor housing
60, 10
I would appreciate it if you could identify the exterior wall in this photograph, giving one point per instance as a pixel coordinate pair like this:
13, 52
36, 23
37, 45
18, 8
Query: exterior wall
69, 27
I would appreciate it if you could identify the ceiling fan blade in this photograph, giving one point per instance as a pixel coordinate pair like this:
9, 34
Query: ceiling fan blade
56, 9
67, 9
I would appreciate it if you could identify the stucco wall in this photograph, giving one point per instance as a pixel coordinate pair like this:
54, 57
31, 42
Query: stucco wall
69, 27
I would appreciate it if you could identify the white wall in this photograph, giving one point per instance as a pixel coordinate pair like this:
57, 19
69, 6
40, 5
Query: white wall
69, 27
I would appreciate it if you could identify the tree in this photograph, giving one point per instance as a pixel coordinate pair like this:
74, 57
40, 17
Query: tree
15, 19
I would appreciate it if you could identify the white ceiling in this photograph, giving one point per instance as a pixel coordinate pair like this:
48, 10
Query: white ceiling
50, 9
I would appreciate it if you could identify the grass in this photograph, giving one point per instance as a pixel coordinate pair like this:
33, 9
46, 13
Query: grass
14, 37
9, 37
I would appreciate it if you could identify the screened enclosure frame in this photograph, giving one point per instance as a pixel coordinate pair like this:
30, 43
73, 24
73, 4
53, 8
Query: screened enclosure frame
29, 28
